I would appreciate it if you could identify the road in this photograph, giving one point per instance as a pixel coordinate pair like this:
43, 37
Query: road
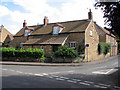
102, 75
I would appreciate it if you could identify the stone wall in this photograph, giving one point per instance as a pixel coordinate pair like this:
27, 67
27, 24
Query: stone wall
91, 52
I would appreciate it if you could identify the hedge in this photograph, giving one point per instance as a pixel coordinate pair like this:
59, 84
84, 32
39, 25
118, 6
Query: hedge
104, 48
64, 52
12, 52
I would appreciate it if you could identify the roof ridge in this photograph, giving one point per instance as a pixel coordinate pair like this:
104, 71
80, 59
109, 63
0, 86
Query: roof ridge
60, 22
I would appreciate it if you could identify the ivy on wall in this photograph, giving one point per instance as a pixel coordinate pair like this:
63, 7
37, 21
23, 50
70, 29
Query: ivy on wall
104, 48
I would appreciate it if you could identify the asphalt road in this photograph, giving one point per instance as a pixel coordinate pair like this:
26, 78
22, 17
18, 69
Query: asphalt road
102, 75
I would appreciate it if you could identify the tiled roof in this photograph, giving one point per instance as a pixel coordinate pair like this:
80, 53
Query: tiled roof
101, 30
3, 34
21, 32
69, 26
58, 39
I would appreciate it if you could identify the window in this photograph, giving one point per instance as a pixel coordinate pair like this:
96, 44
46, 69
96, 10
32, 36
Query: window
42, 47
55, 30
21, 44
90, 32
26, 33
72, 45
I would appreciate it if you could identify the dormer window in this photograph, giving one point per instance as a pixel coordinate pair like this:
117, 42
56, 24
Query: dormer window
26, 32
55, 30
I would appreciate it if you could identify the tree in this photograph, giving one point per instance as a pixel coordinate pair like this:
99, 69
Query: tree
112, 15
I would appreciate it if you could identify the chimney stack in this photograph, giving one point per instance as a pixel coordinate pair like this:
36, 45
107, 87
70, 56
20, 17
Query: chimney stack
46, 20
90, 16
2, 26
24, 23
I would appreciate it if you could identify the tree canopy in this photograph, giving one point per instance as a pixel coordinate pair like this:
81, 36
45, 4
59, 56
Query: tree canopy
112, 15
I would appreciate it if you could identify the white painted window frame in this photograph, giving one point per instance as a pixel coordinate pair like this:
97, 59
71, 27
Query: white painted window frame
73, 47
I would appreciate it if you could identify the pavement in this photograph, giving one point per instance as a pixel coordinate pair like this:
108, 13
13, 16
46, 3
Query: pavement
56, 64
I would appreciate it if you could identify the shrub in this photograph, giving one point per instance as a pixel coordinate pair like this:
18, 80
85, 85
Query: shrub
64, 51
8, 52
12, 52
104, 48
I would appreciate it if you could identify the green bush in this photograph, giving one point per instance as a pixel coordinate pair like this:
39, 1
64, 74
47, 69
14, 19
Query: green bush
8, 52
64, 52
12, 52
104, 48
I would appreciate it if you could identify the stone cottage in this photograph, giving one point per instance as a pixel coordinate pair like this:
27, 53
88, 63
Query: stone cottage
81, 35
5, 36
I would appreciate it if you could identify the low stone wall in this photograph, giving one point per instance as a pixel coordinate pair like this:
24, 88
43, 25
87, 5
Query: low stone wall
66, 60
27, 59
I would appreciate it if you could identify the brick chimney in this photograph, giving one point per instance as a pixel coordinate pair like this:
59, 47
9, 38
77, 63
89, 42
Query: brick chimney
90, 16
2, 26
24, 23
46, 20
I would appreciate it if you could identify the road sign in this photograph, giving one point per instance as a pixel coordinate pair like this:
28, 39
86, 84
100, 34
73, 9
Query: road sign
87, 45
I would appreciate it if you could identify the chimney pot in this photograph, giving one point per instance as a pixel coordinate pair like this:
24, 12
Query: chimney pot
24, 23
46, 20
90, 16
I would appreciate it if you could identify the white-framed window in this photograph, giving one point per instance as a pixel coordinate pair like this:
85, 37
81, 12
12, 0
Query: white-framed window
55, 29
90, 32
26, 32
21, 44
72, 45
42, 47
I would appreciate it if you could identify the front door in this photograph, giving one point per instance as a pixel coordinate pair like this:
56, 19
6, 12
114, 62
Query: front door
55, 48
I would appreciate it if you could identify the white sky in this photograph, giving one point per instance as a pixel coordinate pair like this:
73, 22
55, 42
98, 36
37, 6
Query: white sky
14, 12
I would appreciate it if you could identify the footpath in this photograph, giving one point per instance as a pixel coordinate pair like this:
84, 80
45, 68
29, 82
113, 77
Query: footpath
58, 64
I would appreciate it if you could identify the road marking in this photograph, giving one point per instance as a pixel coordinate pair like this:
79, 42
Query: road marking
116, 87
38, 74
19, 72
76, 80
89, 82
70, 71
99, 86
44, 73
103, 71
60, 79
64, 77
71, 81
54, 76
4, 69
104, 84
84, 83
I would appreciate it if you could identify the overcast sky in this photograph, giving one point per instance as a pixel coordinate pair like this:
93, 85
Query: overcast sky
14, 12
